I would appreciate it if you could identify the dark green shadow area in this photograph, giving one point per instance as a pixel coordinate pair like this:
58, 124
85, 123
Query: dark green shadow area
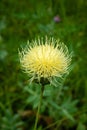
24, 20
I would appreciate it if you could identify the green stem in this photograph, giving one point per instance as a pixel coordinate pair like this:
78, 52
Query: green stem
39, 106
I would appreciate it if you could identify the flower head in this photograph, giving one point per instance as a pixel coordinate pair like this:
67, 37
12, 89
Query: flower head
57, 19
45, 59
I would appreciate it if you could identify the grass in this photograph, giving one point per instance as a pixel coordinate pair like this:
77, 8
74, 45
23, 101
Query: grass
25, 20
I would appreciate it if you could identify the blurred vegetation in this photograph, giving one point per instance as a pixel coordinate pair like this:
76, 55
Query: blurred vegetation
24, 20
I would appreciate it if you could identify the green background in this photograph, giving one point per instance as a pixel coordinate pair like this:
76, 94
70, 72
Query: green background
22, 20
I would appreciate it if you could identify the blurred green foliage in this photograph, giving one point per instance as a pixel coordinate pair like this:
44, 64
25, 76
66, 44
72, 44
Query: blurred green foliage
24, 20
11, 122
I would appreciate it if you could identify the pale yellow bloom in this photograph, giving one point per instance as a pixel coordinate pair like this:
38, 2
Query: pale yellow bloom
45, 59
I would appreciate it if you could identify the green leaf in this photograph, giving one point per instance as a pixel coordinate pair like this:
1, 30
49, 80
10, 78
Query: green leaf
54, 105
81, 126
67, 114
48, 90
36, 102
29, 90
83, 118
31, 99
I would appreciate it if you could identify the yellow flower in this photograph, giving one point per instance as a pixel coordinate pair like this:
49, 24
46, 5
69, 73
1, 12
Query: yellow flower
45, 59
